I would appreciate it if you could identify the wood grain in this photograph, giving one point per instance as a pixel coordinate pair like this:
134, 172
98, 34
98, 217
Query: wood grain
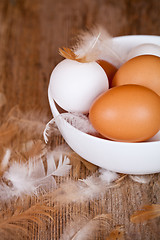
30, 34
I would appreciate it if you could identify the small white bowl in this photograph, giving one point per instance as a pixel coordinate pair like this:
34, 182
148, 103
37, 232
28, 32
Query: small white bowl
129, 158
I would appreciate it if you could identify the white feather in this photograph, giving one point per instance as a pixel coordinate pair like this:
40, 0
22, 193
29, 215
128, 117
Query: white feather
79, 121
51, 165
49, 129
30, 178
20, 176
89, 43
93, 187
63, 166
108, 176
141, 179
97, 44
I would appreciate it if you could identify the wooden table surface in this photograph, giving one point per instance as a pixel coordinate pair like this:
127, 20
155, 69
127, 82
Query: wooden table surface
31, 31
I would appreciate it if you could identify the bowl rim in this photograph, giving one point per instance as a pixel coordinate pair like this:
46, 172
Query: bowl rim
136, 36
140, 36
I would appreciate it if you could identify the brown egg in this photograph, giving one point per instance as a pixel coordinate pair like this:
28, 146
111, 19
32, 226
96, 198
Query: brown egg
109, 69
129, 113
142, 70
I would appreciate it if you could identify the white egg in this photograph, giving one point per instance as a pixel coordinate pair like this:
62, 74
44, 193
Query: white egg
75, 85
144, 49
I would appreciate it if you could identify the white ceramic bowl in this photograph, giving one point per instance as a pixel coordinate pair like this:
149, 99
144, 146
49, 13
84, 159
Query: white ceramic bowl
130, 158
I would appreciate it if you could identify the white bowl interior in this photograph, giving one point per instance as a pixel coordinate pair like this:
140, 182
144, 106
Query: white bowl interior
129, 158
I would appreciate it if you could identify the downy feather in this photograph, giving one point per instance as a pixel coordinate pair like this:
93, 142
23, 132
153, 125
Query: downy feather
30, 178
107, 175
93, 187
77, 120
97, 44
75, 159
141, 178
50, 129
